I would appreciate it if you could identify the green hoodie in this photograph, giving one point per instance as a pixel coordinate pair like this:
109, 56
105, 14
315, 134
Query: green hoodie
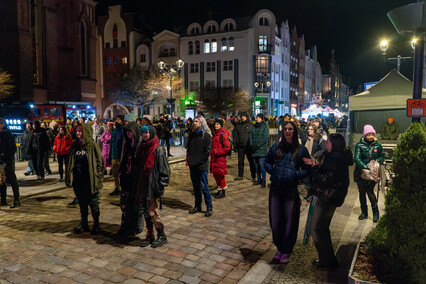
94, 158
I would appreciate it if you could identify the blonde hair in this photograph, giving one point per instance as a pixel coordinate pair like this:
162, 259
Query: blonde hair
204, 126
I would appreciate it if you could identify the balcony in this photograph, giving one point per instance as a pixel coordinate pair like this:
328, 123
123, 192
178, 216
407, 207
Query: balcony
265, 49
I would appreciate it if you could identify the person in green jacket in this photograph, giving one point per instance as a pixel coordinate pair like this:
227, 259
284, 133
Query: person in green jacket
389, 130
366, 150
85, 174
258, 144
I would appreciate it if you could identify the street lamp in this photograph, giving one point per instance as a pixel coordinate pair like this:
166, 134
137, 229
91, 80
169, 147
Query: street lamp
384, 46
170, 72
263, 82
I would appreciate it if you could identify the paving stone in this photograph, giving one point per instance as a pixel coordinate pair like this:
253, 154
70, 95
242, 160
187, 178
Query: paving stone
58, 269
14, 267
133, 281
126, 271
210, 278
82, 277
143, 275
192, 272
189, 279
158, 280
99, 263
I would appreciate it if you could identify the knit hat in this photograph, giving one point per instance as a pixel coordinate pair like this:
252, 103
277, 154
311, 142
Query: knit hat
144, 129
261, 116
368, 129
220, 121
147, 127
130, 117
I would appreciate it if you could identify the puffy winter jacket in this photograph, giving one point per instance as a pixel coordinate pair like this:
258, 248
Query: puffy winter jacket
242, 132
218, 153
258, 139
330, 181
286, 173
364, 153
116, 144
62, 144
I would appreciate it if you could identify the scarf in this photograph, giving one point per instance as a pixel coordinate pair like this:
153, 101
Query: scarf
146, 155
309, 143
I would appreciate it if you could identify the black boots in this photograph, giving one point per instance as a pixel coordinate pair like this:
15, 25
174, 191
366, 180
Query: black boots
209, 213
263, 185
16, 203
220, 194
94, 208
3, 195
82, 227
149, 238
194, 210
238, 178
161, 239
257, 182
364, 214
376, 214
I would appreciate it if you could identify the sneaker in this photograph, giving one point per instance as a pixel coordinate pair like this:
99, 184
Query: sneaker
27, 173
220, 194
238, 178
15, 204
74, 202
285, 258
61, 180
278, 255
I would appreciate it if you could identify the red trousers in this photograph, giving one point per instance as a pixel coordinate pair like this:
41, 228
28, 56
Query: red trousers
220, 180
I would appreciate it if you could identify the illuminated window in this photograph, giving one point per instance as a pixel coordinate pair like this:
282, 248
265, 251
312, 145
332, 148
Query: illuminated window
206, 46
116, 60
108, 60
224, 47
124, 60
231, 44
214, 46
262, 64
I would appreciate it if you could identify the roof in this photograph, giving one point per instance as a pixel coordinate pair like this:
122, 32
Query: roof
391, 92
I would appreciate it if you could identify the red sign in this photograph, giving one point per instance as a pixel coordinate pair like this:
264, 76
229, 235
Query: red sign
416, 107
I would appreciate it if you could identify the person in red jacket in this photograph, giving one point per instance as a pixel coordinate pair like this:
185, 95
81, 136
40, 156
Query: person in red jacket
220, 147
61, 147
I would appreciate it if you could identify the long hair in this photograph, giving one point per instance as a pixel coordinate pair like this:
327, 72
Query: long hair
317, 135
295, 120
64, 128
204, 126
338, 142
284, 147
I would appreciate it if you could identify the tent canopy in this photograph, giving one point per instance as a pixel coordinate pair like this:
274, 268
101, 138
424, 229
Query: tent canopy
391, 92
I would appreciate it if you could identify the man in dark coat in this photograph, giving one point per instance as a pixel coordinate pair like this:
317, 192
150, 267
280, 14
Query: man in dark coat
242, 132
7, 158
258, 143
40, 145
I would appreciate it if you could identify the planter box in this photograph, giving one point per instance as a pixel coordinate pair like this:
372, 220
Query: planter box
352, 279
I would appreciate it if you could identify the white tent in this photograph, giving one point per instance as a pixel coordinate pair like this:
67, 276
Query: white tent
391, 92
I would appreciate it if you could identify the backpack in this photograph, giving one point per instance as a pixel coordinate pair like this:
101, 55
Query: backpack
229, 153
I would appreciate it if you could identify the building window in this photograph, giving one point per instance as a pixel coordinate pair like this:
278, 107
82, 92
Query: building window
194, 68
123, 43
172, 51
211, 67
190, 48
197, 47
210, 83
227, 65
115, 43
263, 43
83, 49
231, 44
193, 86
143, 57
213, 46
206, 46
211, 29
108, 60
107, 45
224, 47
229, 27
227, 83
195, 31
262, 64
115, 35
124, 60
116, 60
263, 21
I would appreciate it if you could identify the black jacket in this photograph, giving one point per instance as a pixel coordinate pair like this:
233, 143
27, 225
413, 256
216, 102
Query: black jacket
318, 148
198, 150
330, 181
7, 146
25, 141
39, 141
242, 132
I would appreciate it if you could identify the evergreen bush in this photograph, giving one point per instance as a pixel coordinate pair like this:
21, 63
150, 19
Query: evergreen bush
398, 242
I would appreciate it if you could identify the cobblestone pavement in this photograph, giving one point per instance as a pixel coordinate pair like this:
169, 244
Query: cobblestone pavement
37, 243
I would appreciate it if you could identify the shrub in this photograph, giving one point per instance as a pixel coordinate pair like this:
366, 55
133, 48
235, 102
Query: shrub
398, 241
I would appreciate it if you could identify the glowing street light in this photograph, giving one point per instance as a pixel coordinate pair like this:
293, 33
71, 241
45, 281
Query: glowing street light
384, 45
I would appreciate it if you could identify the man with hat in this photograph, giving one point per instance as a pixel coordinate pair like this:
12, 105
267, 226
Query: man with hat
389, 130
242, 132
116, 145
7, 159
258, 143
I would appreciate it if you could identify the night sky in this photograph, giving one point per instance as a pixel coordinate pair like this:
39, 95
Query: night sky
352, 27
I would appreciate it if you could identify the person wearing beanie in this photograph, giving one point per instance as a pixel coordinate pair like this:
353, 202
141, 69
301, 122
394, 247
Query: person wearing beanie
220, 148
242, 132
117, 137
152, 174
7, 156
130, 117
366, 150
258, 144
389, 130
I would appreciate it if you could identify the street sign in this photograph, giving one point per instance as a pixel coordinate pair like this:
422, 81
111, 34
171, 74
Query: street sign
416, 107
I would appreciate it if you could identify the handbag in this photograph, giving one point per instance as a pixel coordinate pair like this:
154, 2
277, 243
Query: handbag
373, 173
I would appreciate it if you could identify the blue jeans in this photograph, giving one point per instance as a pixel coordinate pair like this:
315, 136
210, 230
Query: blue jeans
260, 167
200, 184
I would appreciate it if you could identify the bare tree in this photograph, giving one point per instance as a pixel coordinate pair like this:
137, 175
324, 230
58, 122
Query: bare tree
224, 99
141, 87
6, 84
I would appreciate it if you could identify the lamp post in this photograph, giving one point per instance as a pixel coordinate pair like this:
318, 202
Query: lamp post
384, 46
171, 71
261, 84
409, 19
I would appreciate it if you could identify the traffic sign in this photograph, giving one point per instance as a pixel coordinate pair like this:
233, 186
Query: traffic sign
416, 107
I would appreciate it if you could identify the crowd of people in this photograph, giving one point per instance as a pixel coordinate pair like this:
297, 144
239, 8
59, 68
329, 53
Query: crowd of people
136, 151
